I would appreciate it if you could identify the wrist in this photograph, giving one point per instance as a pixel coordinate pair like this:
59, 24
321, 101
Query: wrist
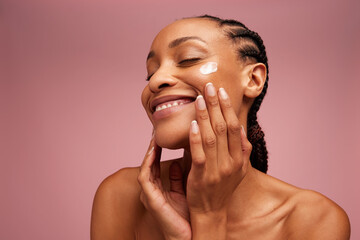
210, 225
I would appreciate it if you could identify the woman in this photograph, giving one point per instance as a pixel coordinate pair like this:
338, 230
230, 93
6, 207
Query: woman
207, 79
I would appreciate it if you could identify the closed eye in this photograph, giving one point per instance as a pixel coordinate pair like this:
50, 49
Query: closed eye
189, 60
184, 62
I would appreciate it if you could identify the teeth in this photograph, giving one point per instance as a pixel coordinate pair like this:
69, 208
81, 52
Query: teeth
173, 104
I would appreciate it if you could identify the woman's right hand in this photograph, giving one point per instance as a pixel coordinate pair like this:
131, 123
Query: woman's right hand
169, 208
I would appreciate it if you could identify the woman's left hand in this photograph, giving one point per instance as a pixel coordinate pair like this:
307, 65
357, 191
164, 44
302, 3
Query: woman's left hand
220, 155
168, 207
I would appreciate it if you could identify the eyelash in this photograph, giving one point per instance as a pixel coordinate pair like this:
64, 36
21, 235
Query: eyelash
148, 77
189, 60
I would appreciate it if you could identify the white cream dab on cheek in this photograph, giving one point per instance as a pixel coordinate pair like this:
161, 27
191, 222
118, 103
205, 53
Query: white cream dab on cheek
209, 67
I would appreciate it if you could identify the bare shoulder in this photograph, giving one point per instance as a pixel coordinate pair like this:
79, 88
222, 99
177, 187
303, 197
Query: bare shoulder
314, 216
116, 206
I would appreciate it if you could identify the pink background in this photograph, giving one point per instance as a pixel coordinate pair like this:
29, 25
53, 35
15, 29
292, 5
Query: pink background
71, 77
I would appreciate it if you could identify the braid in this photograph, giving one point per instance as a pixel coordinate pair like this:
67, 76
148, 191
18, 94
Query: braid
251, 47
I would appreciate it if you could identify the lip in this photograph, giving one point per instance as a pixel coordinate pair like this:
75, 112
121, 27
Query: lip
160, 100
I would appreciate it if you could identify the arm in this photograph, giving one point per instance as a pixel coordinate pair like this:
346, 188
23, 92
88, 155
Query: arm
116, 207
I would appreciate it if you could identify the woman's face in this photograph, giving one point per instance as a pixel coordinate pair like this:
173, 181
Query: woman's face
176, 66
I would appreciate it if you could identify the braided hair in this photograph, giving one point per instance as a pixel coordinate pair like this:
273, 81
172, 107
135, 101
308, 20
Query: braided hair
251, 47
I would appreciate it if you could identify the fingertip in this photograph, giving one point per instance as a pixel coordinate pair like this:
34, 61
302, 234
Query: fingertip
194, 127
151, 150
243, 130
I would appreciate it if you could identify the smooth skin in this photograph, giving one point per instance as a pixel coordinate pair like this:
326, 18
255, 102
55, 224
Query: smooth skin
212, 192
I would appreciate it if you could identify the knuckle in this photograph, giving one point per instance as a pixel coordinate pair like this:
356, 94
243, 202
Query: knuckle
226, 168
220, 128
227, 103
213, 102
213, 180
203, 115
226, 171
198, 161
195, 140
234, 127
210, 141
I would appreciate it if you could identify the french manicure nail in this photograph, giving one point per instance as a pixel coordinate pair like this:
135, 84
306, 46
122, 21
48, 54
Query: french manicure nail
151, 150
210, 90
200, 102
243, 130
223, 94
194, 127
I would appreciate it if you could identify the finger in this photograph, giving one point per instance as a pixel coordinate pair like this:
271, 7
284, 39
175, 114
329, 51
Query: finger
176, 178
156, 166
206, 134
233, 126
197, 153
218, 124
147, 161
149, 171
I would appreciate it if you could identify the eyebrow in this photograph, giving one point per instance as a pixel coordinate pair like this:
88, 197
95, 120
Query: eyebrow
177, 42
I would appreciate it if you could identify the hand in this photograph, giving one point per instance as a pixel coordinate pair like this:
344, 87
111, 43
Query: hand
220, 155
169, 208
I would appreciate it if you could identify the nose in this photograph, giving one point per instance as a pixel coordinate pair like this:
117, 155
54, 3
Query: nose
161, 79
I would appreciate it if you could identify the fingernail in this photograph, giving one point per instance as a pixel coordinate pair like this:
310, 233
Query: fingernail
194, 127
223, 94
151, 150
210, 90
243, 130
201, 102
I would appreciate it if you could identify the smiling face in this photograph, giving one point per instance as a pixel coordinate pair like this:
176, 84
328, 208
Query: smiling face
176, 62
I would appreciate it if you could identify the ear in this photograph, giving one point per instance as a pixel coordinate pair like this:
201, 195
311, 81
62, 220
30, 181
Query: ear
255, 77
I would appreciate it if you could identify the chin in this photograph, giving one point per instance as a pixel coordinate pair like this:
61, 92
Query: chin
172, 138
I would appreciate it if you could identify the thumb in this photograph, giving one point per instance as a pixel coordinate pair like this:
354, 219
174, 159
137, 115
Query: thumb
176, 178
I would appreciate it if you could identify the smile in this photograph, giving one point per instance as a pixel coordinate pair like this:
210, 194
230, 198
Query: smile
170, 104
166, 106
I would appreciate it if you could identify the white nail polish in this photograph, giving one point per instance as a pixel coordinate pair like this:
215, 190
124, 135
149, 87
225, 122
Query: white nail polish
223, 93
194, 127
151, 150
243, 130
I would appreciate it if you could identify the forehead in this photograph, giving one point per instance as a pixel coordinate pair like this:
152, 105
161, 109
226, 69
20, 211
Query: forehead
205, 29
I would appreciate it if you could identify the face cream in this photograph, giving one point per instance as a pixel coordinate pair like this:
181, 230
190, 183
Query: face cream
209, 67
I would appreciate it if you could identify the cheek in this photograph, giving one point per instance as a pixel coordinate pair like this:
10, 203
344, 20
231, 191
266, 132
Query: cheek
199, 75
145, 96
208, 68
